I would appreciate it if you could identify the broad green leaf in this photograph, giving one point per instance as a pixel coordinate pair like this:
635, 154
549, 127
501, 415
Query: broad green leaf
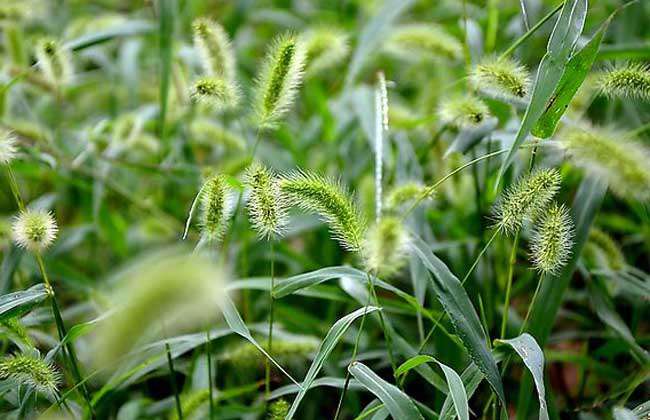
574, 75
565, 34
456, 387
463, 316
533, 357
18, 303
543, 312
330, 341
398, 404
237, 325
373, 33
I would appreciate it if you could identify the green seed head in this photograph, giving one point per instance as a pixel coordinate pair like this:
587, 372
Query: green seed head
330, 200
526, 200
54, 62
613, 155
278, 409
279, 80
631, 81
267, 206
414, 41
206, 132
8, 147
32, 372
191, 403
405, 194
215, 207
385, 247
246, 356
215, 92
34, 230
463, 112
552, 240
325, 48
501, 78
605, 251
213, 45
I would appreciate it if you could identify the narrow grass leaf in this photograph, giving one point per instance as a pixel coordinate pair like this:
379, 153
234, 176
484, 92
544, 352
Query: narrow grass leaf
466, 322
565, 34
455, 383
123, 30
18, 303
10, 261
398, 403
330, 341
325, 381
533, 357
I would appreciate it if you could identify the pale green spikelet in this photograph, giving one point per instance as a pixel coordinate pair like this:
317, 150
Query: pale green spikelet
417, 40
385, 246
501, 78
606, 251
330, 200
405, 194
32, 372
54, 61
267, 205
631, 81
279, 79
191, 405
34, 230
552, 240
278, 409
215, 208
247, 356
213, 45
8, 146
206, 132
621, 161
16, 331
526, 199
325, 48
463, 112
214, 92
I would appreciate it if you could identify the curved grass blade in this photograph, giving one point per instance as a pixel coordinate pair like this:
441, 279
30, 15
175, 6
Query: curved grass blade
136, 27
325, 381
456, 303
456, 388
327, 345
237, 325
533, 357
565, 34
18, 303
398, 404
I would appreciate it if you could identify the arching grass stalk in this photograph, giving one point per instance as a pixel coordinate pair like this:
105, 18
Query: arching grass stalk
67, 350
271, 315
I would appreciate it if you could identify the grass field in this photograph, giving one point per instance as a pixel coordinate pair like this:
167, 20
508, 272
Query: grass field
313, 209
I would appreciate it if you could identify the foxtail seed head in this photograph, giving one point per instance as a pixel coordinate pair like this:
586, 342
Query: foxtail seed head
417, 40
526, 200
463, 112
501, 78
385, 246
34, 230
191, 403
215, 92
609, 153
605, 250
552, 240
32, 372
330, 200
405, 194
325, 48
215, 208
54, 61
631, 81
278, 409
8, 147
267, 206
279, 79
213, 45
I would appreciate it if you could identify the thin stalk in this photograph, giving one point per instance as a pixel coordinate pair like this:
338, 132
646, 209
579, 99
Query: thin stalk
531, 31
172, 381
271, 316
532, 303
511, 266
524, 14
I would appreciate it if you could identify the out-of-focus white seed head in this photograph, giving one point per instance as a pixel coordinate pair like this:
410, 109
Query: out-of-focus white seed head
34, 230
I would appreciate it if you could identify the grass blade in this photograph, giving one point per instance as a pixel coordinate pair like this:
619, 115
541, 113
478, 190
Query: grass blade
398, 404
18, 303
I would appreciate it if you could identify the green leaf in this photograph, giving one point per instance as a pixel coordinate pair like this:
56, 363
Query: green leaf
565, 34
622, 413
533, 357
237, 325
330, 341
398, 404
136, 27
455, 383
463, 316
18, 303
543, 312
12, 257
